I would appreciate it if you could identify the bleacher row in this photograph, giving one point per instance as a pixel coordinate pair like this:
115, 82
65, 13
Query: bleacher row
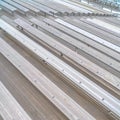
67, 71
45, 8
69, 48
10, 109
111, 5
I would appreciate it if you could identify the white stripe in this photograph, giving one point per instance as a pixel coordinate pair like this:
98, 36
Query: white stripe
105, 25
89, 35
79, 9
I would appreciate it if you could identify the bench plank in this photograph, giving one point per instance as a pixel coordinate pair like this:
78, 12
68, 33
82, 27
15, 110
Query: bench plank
27, 6
105, 75
54, 5
9, 107
62, 101
74, 7
21, 8
96, 31
95, 92
4, 114
78, 45
83, 39
41, 7
7, 6
99, 27
93, 37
